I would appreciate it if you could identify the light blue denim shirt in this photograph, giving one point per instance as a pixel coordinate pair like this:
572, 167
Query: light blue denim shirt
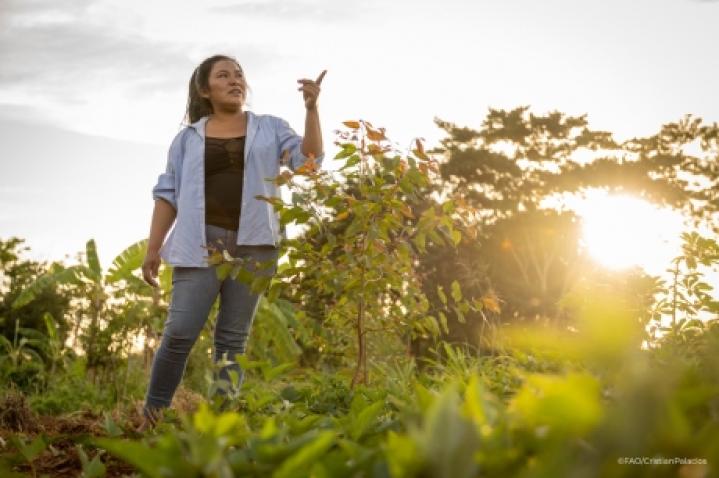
183, 185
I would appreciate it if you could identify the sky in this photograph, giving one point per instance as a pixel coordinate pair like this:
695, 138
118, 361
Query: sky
93, 91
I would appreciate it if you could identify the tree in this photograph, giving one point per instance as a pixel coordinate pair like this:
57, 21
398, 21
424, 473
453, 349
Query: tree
508, 169
103, 326
17, 274
362, 241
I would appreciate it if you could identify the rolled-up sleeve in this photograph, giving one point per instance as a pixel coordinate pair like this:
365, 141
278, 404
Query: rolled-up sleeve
165, 188
290, 141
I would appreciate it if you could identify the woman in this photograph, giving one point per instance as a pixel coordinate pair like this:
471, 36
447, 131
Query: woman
216, 166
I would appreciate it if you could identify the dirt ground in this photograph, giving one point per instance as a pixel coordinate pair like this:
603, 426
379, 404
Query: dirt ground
66, 433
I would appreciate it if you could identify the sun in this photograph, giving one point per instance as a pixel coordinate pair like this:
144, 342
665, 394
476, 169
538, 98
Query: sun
622, 231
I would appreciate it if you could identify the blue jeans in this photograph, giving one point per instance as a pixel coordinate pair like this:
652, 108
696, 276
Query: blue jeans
194, 291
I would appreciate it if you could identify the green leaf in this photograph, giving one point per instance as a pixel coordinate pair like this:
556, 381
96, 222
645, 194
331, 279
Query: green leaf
248, 364
347, 150
269, 428
227, 269
111, 427
448, 207
57, 275
273, 293
474, 401
434, 236
456, 236
127, 261
275, 322
447, 439
419, 241
229, 423
270, 373
443, 322
366, 418
93, 261
32, 450
441, 294
456, 291
260, 284
294, 214
245, 276
431, 325
154, 462
353, 160
460, 314
297, 464
568, 406
403, 456
50, 325
91, 469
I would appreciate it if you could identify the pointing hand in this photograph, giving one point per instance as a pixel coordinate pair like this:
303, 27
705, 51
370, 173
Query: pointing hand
311, 90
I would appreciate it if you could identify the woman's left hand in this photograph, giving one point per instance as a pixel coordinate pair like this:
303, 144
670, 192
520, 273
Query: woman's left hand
311, 90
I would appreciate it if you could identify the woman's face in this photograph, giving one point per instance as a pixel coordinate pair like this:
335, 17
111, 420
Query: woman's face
227, 86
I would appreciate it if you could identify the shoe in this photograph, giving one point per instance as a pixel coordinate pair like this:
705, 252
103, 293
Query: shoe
150, 418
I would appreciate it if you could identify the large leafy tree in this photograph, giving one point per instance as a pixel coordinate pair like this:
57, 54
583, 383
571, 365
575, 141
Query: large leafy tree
677, 167
518, 159
507, 170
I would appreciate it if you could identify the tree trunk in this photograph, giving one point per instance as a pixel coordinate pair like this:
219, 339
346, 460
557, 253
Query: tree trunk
360, 375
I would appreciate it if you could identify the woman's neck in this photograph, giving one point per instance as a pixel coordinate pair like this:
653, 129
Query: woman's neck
228, 117
222, 125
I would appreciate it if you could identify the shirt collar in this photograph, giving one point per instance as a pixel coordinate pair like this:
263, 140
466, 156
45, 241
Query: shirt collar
199, 125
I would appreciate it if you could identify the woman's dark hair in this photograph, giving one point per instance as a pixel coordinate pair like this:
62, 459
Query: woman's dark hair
197, 106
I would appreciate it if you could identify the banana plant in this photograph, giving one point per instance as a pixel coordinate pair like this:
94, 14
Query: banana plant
53, 346
147, 307
94, 283
18, 351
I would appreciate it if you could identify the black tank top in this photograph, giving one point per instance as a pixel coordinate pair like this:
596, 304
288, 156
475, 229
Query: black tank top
224, 167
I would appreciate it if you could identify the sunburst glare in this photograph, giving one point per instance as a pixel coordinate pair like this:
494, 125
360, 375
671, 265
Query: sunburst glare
621, 231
